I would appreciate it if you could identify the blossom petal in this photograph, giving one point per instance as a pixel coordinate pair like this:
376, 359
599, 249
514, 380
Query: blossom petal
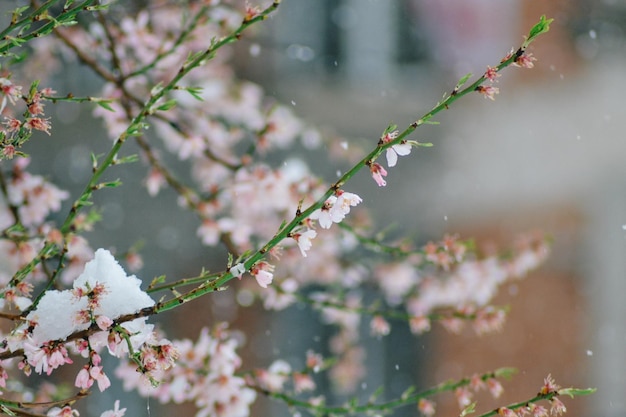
392, 157
402, 149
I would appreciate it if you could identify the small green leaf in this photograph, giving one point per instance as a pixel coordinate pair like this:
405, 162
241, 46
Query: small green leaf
542, 27
136, 129
14, 41
389, 129
70, 23
104, 103
127, 159
468, 410
7, 411
157, 280
83, 201
97, 8
462, 81
94, 160
15, 229
574, 392
111, 184
167, 105
17, 58
18, 12
195, 92
353, 403
408, 392
156, 90
376, 394
505, 372
93, 216
194, 56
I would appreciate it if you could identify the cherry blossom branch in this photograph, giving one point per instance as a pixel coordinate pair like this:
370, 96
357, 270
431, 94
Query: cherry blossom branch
104, 73
102, 102
407, 398
182, 37
66, 17
549, 392
368, 161
192, 199
135, 128
17, 407
375, 310
186, 192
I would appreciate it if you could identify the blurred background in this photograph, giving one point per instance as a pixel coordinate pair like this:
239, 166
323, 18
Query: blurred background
548, 154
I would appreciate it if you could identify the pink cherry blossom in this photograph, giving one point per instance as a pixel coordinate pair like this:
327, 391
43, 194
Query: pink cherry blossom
154, 182
9, 90
282, 297
506, 412
426, 407
378, 172
344, 201
525, 60
303, 382
96, 359
488, 91
495, 387
58, 356
488, 320
537, 410
379, 326
251, 12
274, 377
116, 412
549, 385
100, 377
399, 149
491, 74
419, 324
453, 324
83, 379
9, 151
66, 411
335, 208
557, 407
35, 197
38, 123
304, 240
476, 382
262, 272
103, 322
325, 216
45, 358
3, 377
314, 361
349, 369
463, 396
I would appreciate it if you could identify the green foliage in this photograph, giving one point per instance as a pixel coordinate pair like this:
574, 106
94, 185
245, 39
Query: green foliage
169, 104
462, 81
468, 410
543, 26
104, 103
505, 372
577, 392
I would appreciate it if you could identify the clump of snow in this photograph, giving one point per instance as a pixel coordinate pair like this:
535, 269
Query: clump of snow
58, 313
